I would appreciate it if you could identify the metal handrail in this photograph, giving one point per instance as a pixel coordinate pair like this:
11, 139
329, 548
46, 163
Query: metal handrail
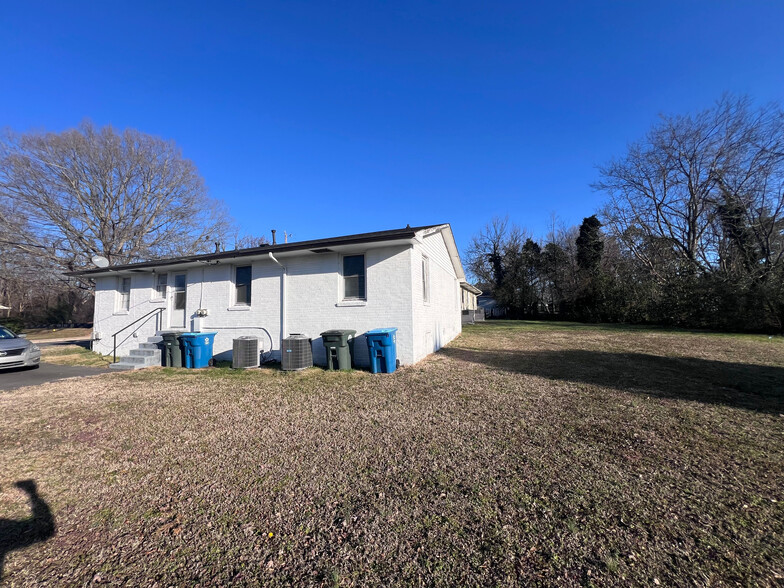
114, 337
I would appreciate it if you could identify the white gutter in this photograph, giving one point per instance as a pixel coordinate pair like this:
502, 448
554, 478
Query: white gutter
473, 289
282, 300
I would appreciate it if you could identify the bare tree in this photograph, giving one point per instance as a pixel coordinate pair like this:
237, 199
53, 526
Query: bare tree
700, 203
486, 251
90, 191
248, 241
666, 192
503, 258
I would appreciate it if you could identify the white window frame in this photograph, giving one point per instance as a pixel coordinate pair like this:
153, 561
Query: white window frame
123, 303
425, 279
343, 297
235, 304
156, 294
171, 295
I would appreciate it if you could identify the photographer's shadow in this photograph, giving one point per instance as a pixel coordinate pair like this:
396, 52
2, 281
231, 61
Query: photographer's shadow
21, 533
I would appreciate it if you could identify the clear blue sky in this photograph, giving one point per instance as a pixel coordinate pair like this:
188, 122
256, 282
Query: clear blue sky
327, 118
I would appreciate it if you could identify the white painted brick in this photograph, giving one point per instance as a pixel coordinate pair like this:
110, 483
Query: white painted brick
394, 299
438, 322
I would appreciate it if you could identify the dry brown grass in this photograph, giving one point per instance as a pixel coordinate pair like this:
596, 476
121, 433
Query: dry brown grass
65, 333
73, 355
521, 454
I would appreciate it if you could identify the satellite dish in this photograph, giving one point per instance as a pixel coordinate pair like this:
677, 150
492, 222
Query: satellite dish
100, 261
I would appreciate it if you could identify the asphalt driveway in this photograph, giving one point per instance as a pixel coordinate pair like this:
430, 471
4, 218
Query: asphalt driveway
47, 372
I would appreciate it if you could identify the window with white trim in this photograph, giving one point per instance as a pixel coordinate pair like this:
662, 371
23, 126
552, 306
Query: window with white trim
243, 278
124, 291
354, 277
425, 279
180, 293
161, 282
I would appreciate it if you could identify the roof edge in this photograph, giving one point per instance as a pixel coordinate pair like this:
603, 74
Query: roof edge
451, 247
471, 288
390, 235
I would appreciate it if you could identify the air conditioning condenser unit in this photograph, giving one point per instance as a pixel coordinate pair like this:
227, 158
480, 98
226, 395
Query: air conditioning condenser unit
297, 353
245, 353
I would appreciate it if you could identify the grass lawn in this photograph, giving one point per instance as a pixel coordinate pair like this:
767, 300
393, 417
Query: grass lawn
73, 355
65, 333
523, 453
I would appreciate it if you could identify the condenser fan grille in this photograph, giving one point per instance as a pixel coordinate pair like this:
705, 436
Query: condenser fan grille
297, 353
245, 353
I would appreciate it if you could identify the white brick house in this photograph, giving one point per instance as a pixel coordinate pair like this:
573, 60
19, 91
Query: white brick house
406, 278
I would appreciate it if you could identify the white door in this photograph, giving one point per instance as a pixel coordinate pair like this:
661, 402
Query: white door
177, 302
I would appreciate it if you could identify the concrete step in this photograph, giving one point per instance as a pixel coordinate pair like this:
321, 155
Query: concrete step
142, 360
128, 363
125, 366
134, 359
147, 355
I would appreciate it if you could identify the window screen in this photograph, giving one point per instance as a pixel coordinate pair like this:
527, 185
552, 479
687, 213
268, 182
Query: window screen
425, 279
179, 292
242, 284
160, 285
354, 276
125, 293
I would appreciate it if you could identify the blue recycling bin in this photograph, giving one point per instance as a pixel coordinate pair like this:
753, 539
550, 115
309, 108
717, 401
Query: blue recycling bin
382, 348
197, 349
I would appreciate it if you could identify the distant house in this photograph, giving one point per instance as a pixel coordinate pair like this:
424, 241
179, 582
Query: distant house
468, 303
407, 278
492, 309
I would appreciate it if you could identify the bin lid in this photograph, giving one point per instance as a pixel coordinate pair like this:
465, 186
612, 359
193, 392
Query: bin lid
384, 331
198, 334
339, 332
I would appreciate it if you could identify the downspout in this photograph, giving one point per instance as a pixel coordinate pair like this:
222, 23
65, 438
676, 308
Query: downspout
282, 299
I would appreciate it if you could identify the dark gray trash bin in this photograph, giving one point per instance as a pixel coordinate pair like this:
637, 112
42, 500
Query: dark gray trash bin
171, 350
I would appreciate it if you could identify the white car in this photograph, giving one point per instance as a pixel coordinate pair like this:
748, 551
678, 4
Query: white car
16, 351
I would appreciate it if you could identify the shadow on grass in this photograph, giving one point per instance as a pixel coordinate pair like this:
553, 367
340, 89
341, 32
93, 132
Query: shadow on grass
21, 533
748, 386
545, 325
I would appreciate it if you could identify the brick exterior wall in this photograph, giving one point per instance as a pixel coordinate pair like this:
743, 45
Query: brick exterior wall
438, 321
313, 297
314, 303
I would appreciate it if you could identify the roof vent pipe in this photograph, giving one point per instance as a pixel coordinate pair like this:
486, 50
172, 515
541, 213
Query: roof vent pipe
273, 237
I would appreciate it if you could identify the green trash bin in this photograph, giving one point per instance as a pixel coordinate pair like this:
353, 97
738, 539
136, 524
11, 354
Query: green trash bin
339, 345
172, 353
